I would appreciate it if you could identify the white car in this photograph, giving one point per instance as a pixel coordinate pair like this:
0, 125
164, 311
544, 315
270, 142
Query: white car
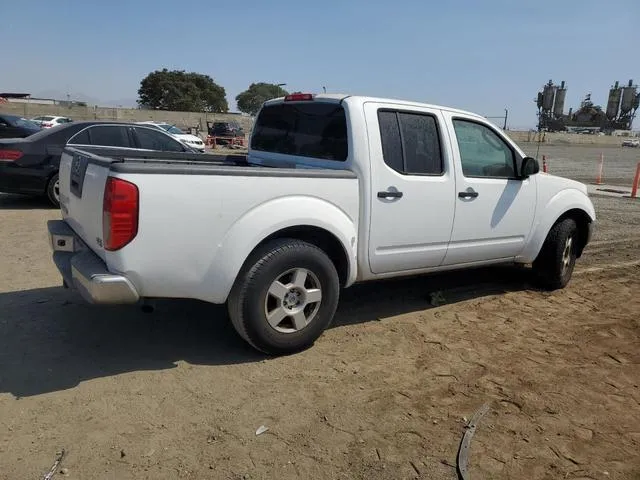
50, 121
191, 140
335, 190
631, 143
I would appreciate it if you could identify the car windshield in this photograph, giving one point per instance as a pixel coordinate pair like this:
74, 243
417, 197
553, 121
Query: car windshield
44, 119
22, 123
171, 129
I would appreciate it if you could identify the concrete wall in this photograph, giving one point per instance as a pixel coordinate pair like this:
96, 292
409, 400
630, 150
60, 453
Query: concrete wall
192, 119
180, 119
564, 138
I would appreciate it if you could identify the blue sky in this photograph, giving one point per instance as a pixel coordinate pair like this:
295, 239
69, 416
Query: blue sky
482, 55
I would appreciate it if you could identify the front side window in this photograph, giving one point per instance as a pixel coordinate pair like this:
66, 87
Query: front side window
482, 152
410, 142
314, 130
109, 136
151, 139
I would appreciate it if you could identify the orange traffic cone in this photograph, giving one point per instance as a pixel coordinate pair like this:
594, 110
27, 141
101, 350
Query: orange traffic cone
600, 170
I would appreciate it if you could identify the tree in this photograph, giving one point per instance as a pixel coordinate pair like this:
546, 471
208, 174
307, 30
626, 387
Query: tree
252, 99
178, 90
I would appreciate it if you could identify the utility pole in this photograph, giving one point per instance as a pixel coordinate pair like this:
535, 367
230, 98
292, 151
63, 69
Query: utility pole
506, 114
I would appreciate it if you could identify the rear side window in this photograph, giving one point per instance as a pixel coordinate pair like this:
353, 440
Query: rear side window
315, 130
410, 142
151, 139
109, 136
81, 138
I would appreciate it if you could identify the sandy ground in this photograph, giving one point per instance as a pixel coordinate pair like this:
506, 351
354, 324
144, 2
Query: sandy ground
382, 395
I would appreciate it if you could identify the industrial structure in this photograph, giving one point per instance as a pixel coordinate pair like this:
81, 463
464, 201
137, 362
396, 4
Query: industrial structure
622, 105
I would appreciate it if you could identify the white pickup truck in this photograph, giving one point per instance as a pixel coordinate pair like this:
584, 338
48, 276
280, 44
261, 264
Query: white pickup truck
334, 190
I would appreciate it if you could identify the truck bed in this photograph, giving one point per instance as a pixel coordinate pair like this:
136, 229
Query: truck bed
200, 215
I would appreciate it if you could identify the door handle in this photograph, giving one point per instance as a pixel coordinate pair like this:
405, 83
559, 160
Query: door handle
468, 194
388, 194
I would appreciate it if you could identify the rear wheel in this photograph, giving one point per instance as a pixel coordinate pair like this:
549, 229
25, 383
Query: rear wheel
555, 262
53, 190
285, 296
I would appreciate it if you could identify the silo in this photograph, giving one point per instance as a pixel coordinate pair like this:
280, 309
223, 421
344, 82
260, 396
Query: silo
558, 107
629, 94
548, 94
613, 104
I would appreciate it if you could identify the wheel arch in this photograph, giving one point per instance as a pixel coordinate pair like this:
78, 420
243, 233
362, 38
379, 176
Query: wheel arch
321, 224
583, 222
567, 204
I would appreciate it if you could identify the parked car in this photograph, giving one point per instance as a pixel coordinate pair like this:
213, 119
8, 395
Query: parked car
225, 129
30, 165
12, 126
631, 143
50, 121
335, 190
192, 140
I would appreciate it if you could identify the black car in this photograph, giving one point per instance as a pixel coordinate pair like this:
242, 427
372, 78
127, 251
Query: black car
225, 129
12, 126
30, 165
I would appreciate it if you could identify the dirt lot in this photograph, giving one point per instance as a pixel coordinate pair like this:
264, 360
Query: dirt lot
382, 395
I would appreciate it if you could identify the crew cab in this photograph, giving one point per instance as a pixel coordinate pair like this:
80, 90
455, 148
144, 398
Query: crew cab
334, 190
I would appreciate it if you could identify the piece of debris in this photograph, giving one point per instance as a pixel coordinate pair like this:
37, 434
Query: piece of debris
55, 466
64, 471
122, 454
463, 451
261, 429
437, 298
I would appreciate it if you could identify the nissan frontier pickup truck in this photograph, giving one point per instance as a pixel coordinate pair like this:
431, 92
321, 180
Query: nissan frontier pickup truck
335, 190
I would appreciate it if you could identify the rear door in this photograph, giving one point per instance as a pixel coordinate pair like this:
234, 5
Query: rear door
413, 188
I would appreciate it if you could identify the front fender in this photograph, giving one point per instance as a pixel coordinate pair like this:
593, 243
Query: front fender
558, 205
269, 218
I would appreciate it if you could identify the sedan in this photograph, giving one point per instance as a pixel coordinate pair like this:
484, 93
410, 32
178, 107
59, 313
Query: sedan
16, 127
50, 121
30, 165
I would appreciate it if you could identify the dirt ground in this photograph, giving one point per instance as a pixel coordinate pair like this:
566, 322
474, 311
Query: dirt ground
382, 395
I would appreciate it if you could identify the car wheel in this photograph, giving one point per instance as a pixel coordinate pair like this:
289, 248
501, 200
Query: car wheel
53, 190
557, 258
285, 296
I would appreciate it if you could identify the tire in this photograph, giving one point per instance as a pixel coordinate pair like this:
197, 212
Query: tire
292, 282
557, 258
53, 191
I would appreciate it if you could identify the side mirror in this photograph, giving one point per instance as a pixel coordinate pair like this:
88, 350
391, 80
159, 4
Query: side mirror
530, 166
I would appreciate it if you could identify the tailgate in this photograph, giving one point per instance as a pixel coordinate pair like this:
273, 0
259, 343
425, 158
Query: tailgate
82, 180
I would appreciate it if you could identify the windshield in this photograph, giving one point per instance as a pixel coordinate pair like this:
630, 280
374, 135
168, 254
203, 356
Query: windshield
22, 123
171, 129
44, 119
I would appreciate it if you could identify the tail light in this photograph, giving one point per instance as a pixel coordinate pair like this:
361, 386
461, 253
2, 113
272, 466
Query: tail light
298, 97
10, 155
119, 213
47, 125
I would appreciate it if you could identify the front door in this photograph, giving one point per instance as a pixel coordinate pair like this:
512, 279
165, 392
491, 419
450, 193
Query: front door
494, 208
413, 188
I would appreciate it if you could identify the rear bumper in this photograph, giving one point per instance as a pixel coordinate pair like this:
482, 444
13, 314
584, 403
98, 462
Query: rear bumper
84, 271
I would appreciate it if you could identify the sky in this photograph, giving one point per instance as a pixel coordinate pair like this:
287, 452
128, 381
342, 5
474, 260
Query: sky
478, 55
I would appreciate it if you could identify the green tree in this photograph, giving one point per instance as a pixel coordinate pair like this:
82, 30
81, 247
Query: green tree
183, 91
252, 99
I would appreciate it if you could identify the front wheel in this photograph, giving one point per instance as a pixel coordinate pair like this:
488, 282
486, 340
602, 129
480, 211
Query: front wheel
53, 190
285, 296
557, 258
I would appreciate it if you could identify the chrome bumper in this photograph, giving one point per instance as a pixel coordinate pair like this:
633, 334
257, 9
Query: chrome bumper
85, 271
